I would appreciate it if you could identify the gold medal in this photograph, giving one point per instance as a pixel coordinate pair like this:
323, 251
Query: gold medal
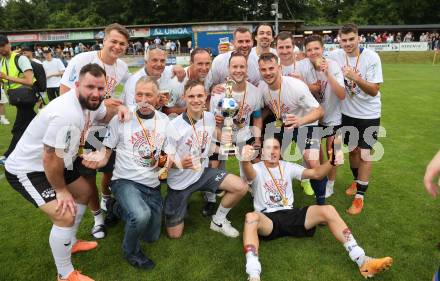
285, 201
80, 150
278, 123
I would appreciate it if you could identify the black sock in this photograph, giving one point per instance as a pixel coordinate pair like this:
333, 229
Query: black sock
361, 188
319, 189
354, 171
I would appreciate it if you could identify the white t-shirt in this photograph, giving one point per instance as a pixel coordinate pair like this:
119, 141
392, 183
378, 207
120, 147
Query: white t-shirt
361, 105
253, 62
220, 70
133, 157
130, 86
292, 69
182, 141
116, 73
59, 125
267, 197
253, 102
177, 88
253, 56
51, 67
296, 98
327, 98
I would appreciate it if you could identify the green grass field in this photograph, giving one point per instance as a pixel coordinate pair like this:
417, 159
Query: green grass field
399, 219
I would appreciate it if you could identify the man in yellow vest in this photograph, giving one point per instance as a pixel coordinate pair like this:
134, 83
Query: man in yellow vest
13, 78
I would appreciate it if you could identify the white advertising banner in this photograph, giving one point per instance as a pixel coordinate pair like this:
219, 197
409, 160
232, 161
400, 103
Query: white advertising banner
388, 47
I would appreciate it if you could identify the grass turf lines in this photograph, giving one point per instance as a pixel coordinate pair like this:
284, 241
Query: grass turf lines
399, 218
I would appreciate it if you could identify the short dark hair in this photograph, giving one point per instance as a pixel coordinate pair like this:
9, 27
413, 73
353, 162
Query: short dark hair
191, 84
264, 24
3, 40
348, 28
119, 28
313, 38
198, 51
283, 35
268, 57
242, 29
93, 69
236, 54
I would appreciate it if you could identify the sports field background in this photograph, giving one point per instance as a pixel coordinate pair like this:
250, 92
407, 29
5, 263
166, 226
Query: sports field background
399, 218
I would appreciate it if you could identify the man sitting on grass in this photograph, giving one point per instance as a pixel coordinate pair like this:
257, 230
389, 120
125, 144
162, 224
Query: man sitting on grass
275, 216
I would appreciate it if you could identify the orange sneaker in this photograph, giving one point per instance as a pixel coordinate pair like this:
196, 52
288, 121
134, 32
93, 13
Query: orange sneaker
374, 266
356, 206
83, 246
76, 276
352, 189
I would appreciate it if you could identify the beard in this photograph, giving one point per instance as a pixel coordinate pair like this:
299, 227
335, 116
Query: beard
88, 104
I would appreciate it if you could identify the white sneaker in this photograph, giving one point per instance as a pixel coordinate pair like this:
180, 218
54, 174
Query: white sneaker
224, 227
328, 191
103, 204
99, 231
255, 278
4, 121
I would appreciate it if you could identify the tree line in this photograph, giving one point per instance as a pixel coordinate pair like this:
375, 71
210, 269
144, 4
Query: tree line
35, 14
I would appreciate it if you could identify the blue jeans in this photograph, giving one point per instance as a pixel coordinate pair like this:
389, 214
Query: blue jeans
140, 207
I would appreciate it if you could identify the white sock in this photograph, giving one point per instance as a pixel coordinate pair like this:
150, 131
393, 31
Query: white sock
253, 266
330, 184
80, 210
356, 253
61, 245
221, 213
99, 217
359, 196
209, 196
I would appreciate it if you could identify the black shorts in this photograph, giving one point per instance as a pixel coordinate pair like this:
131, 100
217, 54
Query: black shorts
289, 223
98, 134
307, 137
328, 131
176, 201
35, 187
360, 133
215, 156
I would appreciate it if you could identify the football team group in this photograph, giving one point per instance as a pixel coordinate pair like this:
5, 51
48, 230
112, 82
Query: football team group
171, 126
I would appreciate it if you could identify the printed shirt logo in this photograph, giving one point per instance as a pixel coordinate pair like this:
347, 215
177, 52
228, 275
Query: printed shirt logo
351, 87
72, 76
272, 197
67, 141
111, 85
142, 154
198, 147
320, 97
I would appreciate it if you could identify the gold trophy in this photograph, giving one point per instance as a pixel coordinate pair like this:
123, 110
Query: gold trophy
229, 108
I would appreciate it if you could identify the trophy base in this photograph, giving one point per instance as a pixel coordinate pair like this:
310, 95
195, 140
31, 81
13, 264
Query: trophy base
228, 150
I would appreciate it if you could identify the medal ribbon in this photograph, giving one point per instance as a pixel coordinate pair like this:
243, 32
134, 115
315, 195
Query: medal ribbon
277, 114
145, 133
355, 68
195, 131
84, 133
280, 191
107, 94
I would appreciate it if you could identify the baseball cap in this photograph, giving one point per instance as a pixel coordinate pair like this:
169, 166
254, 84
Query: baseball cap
3, 40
